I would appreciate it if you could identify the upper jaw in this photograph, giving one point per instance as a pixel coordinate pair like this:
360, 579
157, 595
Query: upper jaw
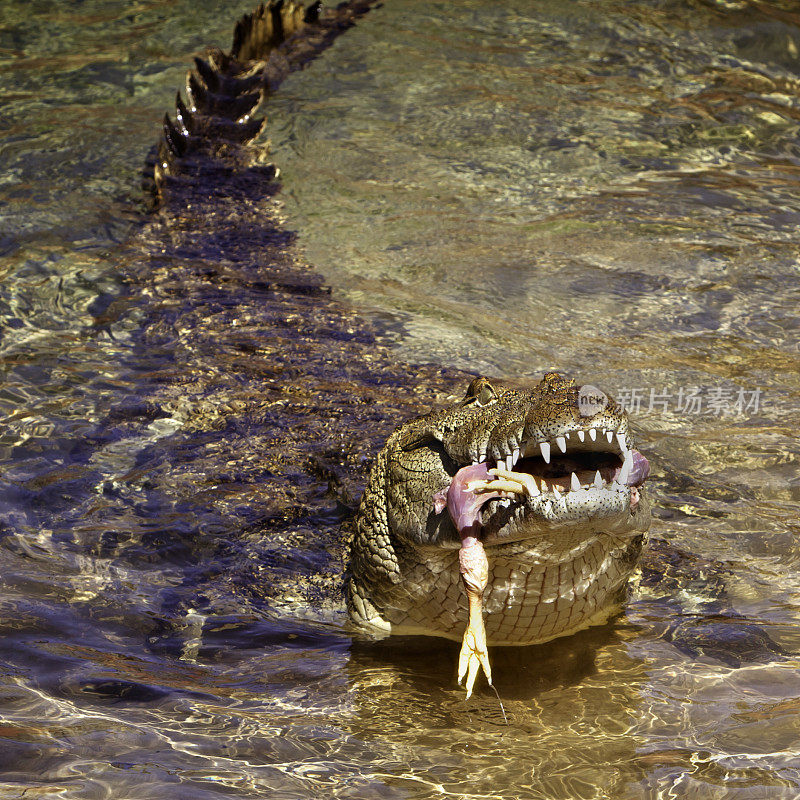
507, 450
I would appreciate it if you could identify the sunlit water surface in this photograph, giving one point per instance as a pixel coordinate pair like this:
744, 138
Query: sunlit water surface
605, 188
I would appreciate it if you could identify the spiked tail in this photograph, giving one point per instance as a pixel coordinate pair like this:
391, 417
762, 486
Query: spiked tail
224, 90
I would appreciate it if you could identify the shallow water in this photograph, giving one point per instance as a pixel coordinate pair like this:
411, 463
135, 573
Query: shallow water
604, 188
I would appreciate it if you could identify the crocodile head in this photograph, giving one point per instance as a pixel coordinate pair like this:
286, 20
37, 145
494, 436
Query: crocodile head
570, 447
560, 550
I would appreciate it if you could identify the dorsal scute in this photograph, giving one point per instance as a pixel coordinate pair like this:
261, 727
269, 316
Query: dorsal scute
224, 90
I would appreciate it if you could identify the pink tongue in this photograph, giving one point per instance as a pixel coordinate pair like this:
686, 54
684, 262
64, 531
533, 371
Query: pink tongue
464, 504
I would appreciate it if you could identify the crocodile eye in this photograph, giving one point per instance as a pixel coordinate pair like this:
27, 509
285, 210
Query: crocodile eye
482, 391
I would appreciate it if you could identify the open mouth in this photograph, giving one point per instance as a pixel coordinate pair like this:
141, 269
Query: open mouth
559, 471
581, 473
585, 457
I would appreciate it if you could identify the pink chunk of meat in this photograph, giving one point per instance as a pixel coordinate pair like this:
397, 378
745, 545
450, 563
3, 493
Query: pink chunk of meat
463, 503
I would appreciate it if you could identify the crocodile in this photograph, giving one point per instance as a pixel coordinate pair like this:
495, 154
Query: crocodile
507, 516
559, 561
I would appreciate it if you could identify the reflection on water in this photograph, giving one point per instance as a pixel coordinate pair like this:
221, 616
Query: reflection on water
604, 188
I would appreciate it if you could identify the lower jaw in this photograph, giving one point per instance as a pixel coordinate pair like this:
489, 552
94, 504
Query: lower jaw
506, 522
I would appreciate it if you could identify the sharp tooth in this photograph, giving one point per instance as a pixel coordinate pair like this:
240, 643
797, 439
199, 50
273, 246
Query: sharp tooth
556, 490
515, 456
623, 445
482, 457
626, 469
598, 480
530, 485
609, 436
501, 464
581, 435
509, 463
545, 448
562, 443
574, 483
566, 435
593, 433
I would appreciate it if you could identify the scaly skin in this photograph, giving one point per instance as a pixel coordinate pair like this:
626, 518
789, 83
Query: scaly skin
557, 562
